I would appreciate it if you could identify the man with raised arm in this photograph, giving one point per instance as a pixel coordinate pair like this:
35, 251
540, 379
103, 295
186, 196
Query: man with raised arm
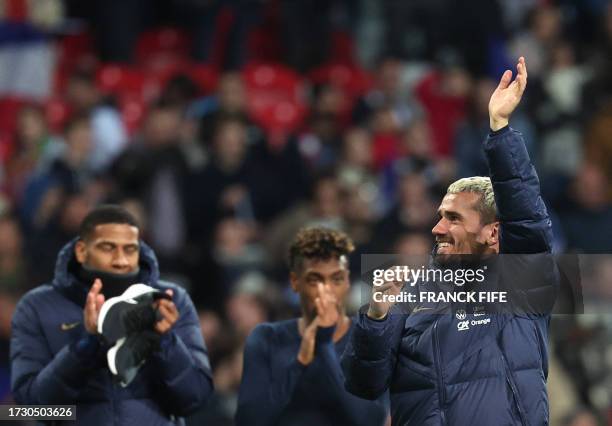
445, 366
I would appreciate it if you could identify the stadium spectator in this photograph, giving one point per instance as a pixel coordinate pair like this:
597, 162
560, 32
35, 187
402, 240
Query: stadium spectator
34, 148
229, 99
109, 136
67, 174
13, 266
585, 219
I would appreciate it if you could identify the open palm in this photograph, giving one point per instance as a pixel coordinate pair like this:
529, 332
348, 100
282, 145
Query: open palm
507, 95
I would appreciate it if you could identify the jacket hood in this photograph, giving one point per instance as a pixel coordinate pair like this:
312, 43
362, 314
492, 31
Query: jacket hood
65, 281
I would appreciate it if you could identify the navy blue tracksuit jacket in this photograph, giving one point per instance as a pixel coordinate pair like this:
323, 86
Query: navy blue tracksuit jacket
53, 361
479, 373
277, 390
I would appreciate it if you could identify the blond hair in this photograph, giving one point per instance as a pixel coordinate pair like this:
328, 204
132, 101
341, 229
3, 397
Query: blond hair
482, 186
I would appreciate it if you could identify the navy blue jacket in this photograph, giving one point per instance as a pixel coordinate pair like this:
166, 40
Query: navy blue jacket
479, 373
52, 363
277, 389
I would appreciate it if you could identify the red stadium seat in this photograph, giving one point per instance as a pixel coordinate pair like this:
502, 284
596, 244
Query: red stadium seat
352, 80
9, 108
60, 79
57, 112
6, 147
280, 119
162, 40
121, 79
132, 90
161, 46
15, 10
73, 46
73, 50
275, 98
278, 78
205, 76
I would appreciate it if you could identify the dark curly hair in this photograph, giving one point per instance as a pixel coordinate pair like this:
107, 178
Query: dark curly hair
318, 243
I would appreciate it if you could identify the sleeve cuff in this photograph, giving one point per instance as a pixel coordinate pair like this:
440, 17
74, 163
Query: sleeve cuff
86, 348
363, 312
373, 322
493, 133
370, 337
166, 340
383, 319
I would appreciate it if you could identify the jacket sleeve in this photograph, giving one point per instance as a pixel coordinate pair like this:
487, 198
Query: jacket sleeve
530, 275
38, 376
263, 396
360, 412
369, 359
183, 361
525, 226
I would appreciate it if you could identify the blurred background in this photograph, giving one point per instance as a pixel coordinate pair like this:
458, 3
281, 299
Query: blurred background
226, 125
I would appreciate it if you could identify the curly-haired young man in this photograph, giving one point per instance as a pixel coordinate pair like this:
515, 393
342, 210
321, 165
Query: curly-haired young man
292, 373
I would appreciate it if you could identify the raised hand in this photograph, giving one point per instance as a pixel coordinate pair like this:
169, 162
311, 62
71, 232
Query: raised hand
307, 347
93, 304
169, 313
378, 309
507, 96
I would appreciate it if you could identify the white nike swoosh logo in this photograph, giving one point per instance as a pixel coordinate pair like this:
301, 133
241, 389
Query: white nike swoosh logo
419, 309
69, 326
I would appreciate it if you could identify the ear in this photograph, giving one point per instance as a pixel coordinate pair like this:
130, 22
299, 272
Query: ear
293, 278
80, 251
493, 234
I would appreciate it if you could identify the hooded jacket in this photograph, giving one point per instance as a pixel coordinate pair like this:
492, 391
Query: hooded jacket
446, 366
54, 361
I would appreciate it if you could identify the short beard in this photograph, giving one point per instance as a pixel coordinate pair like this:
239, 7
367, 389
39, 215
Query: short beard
477, 251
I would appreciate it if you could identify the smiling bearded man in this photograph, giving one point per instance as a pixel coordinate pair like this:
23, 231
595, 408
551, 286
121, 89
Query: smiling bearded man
444, 366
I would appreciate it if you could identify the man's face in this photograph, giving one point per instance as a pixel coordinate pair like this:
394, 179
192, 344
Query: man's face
82, 94
332, 272
79, 142
231, 142
162, 127
460, 229
110, 248
231, 93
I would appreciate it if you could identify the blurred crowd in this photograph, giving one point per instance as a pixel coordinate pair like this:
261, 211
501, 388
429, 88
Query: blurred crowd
350, 114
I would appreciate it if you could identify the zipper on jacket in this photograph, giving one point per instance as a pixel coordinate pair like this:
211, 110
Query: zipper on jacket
438, 362
514, 390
